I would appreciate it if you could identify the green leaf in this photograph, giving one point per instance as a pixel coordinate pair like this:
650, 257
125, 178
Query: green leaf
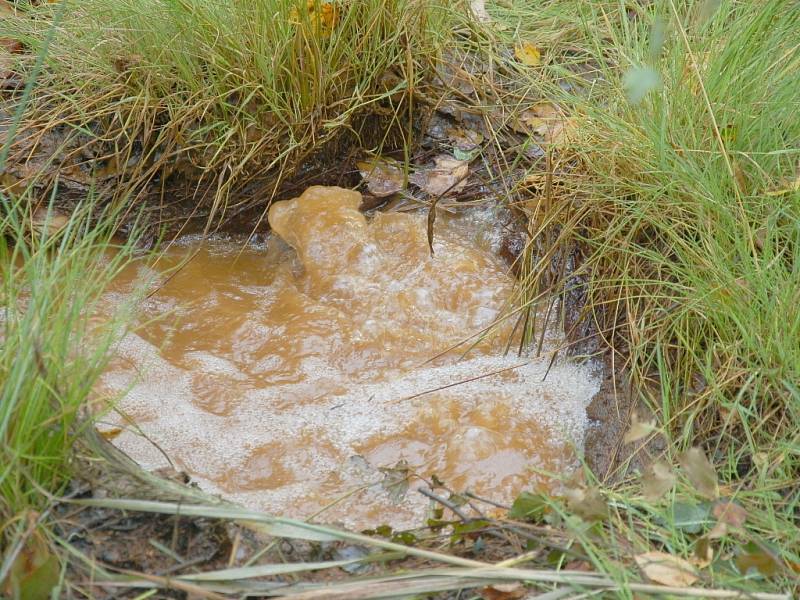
529, 506
689, 517
405, 537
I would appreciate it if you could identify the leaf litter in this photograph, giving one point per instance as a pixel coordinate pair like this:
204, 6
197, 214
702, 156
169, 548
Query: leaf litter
666, 569
528, 54
384, 176
657, 480
700, 472
447, 176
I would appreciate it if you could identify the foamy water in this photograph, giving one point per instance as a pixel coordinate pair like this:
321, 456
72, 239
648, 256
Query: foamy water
286, 376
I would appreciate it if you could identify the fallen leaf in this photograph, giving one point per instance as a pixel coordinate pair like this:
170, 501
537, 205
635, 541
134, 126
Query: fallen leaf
759, 559
720, 530
587, 503
447, 176
35, 571
690, 517
465, 139
478, 8
11, 45
638, 429
395, 480
547, 121
700, 472
503, 591
384, 177
666, 569
657, 480
727, 514
112, 433
703, 553
579, 565
528, 54
528, 506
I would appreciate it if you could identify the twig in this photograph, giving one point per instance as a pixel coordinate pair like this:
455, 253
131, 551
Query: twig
446, 503
449, 385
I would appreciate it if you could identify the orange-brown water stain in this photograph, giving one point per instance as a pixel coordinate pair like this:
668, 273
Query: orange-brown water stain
287, 375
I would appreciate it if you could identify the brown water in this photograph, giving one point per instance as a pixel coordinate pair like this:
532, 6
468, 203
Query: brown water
285, 375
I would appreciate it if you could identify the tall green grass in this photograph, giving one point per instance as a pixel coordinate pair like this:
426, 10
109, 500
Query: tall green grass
680, 187
55, 343
224, 93
692, 220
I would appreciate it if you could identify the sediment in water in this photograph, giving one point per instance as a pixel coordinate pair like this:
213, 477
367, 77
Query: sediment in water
290, 376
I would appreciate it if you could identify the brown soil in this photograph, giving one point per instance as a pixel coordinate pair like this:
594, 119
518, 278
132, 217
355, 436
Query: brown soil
611, 411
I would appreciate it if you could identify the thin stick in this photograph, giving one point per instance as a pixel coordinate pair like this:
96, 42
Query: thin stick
446, 503
449, 385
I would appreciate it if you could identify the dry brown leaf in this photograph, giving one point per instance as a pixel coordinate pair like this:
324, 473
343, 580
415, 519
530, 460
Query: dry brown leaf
447, 176
657, 480
112, 433
638, 429
503, 591
384, 177
547, 121
465, 139
666, 569
528, 54
728, 514
760, 560
11, 45
700, 472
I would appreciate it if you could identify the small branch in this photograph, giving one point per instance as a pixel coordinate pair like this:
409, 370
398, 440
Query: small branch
446, 503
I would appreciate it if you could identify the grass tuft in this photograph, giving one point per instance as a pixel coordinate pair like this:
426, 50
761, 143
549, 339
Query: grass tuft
218, 96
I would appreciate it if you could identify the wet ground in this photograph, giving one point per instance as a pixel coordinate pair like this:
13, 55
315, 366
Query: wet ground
314, 374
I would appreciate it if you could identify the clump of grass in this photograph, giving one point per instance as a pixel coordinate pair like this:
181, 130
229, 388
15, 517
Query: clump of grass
225, 93
53, 347
691, 221
680, 188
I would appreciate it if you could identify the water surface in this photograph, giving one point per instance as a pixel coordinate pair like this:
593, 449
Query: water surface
286, 375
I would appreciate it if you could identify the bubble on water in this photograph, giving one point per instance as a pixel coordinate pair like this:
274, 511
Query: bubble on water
274, 377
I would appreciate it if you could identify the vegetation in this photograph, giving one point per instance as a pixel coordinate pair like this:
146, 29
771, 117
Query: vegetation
676, 184
685, 203
227, 93
52, 353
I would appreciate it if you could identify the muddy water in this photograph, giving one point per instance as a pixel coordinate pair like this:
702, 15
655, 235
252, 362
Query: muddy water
289, 375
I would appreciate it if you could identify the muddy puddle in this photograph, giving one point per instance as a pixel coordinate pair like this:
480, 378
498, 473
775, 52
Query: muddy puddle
305, 374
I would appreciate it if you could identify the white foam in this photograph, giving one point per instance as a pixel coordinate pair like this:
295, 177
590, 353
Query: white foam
345, 387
